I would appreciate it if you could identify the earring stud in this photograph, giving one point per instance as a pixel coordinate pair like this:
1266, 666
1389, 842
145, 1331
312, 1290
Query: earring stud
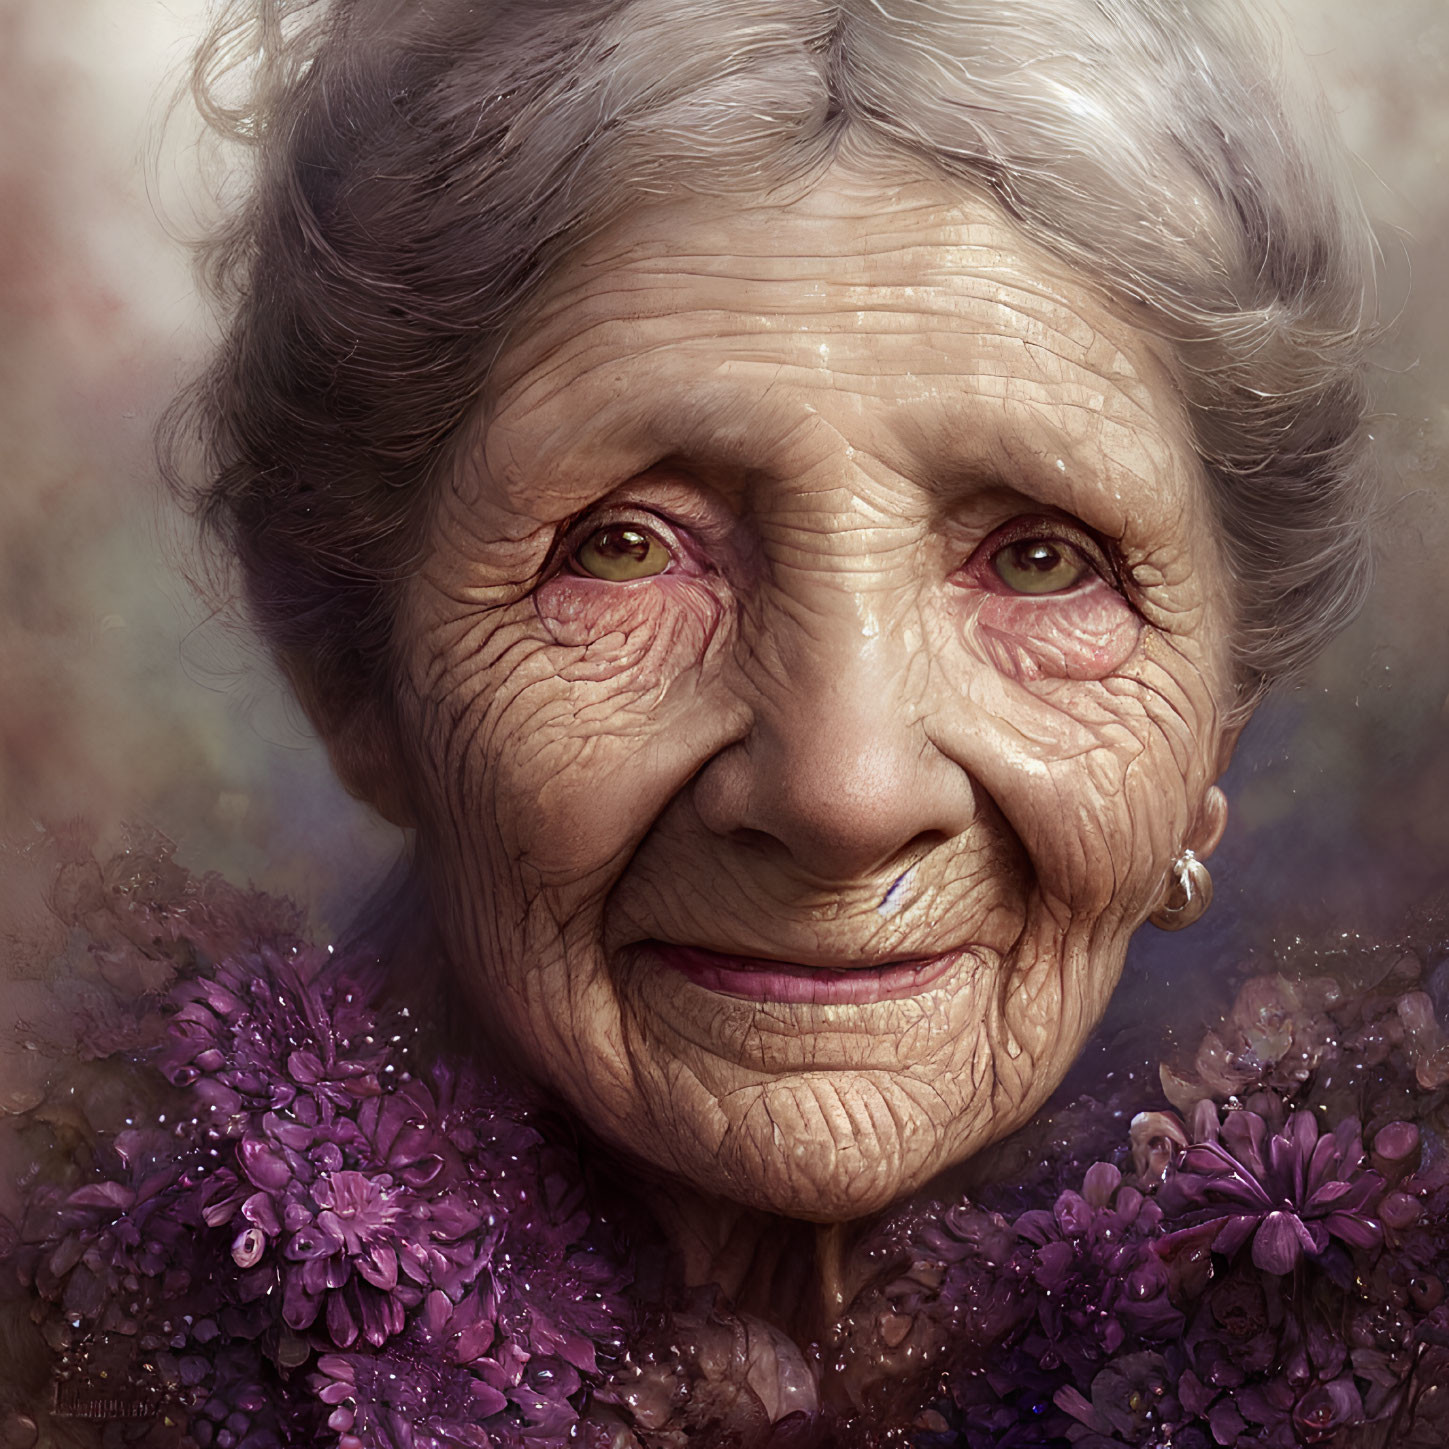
1189, 893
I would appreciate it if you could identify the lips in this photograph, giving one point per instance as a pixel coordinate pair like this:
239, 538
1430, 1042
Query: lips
757, 978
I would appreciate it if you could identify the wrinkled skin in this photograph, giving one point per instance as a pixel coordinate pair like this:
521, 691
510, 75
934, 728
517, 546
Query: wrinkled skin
829, 732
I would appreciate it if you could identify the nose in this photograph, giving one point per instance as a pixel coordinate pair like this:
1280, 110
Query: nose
838, 769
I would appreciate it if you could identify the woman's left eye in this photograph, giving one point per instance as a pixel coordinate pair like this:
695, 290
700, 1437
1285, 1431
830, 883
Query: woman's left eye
619, 552
1039, 565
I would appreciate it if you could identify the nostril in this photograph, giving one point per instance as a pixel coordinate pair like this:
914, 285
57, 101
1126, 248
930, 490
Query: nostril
757, 840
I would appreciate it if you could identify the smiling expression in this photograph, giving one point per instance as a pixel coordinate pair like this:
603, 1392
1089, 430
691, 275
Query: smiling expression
817, 663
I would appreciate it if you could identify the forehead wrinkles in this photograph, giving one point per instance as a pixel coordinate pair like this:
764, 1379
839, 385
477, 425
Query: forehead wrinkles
699, 356
938, 299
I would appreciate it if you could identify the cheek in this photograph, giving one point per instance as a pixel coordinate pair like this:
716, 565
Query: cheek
556, 717
1091, 749
1087, 634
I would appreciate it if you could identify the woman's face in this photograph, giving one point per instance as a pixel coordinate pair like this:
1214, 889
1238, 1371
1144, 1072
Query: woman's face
816, 666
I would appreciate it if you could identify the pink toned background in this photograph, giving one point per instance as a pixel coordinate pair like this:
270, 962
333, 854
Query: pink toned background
120, 700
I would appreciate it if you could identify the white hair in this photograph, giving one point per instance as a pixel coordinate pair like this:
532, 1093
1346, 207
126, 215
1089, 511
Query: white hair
421, 166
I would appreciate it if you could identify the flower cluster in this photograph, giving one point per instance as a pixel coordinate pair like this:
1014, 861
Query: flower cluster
317, 1241
1263, 1275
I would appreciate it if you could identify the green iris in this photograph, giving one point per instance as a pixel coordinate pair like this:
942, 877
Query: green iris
1038, 566
620, 552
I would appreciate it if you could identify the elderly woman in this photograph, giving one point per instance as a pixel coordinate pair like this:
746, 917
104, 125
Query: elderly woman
791, 504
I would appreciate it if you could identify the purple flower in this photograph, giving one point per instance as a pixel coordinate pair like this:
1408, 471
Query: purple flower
1327, 1408
1098, 1285
108, 1252
1130, 1398
1287, 1192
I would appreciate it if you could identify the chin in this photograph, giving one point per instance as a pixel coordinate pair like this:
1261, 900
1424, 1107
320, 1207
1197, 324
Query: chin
824, 1112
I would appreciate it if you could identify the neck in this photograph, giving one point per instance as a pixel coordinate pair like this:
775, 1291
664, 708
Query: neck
797, 1276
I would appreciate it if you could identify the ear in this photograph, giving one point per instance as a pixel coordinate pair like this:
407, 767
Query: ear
1212, 816
1228, 742
362, 744
1207, 829
365, 754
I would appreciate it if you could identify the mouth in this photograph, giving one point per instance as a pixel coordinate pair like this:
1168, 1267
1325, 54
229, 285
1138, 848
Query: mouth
757, 978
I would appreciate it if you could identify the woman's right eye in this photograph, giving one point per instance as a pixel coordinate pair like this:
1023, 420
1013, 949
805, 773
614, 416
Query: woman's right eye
621, 552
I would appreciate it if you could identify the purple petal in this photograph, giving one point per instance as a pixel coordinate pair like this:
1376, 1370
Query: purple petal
1234, 1232
216, 1098
338, 1368
1280, 1243
313, 1276
1244, 1135
424, 1171
487, 1399
263, 1166
1302, 1131
1322, 1166
437, 1310
1400, 1211
1210, 1158
341, 1325
1287, 1169
1036, 1225
113, 1197
289, 1134
1357, 1232
1349, 1136
305, 1067
1054, 1262
1195, 1395
1073, 1214
312, 1241
378, 1265
1129, 1205
259, 1211
414, 1261
1226, 1422
299, 1307
1332, 1191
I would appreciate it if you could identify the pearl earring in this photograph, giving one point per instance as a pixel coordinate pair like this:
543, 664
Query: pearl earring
1189, 893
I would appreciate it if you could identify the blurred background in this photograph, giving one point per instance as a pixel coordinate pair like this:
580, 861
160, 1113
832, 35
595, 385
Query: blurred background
122, 699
